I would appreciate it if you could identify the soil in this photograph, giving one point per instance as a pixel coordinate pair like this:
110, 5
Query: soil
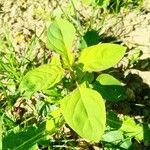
25, 18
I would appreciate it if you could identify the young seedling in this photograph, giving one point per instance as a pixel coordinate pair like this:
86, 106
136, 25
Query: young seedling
83, 104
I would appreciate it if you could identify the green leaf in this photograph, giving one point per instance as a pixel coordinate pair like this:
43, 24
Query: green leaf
110, 88
90, 38
50, 125
116, 140
25, 139
101, 57
127, 125
41, 78
56, 60
53, 94
84, 111
60, 38
34, 147
84, 76
113, 121
127, 144
146, 130
113, 136
132, 129
124, 144
102, 3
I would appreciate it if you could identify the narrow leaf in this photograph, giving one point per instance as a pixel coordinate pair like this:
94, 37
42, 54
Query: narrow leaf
101, 57
84, 111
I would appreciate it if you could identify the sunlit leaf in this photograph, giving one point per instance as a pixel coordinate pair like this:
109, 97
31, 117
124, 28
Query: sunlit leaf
50, 125
84, 111
101, 57
41, 78
56, 60
60, 38
132, 129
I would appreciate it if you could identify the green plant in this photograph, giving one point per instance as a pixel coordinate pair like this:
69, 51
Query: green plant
113, 5
82, 97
